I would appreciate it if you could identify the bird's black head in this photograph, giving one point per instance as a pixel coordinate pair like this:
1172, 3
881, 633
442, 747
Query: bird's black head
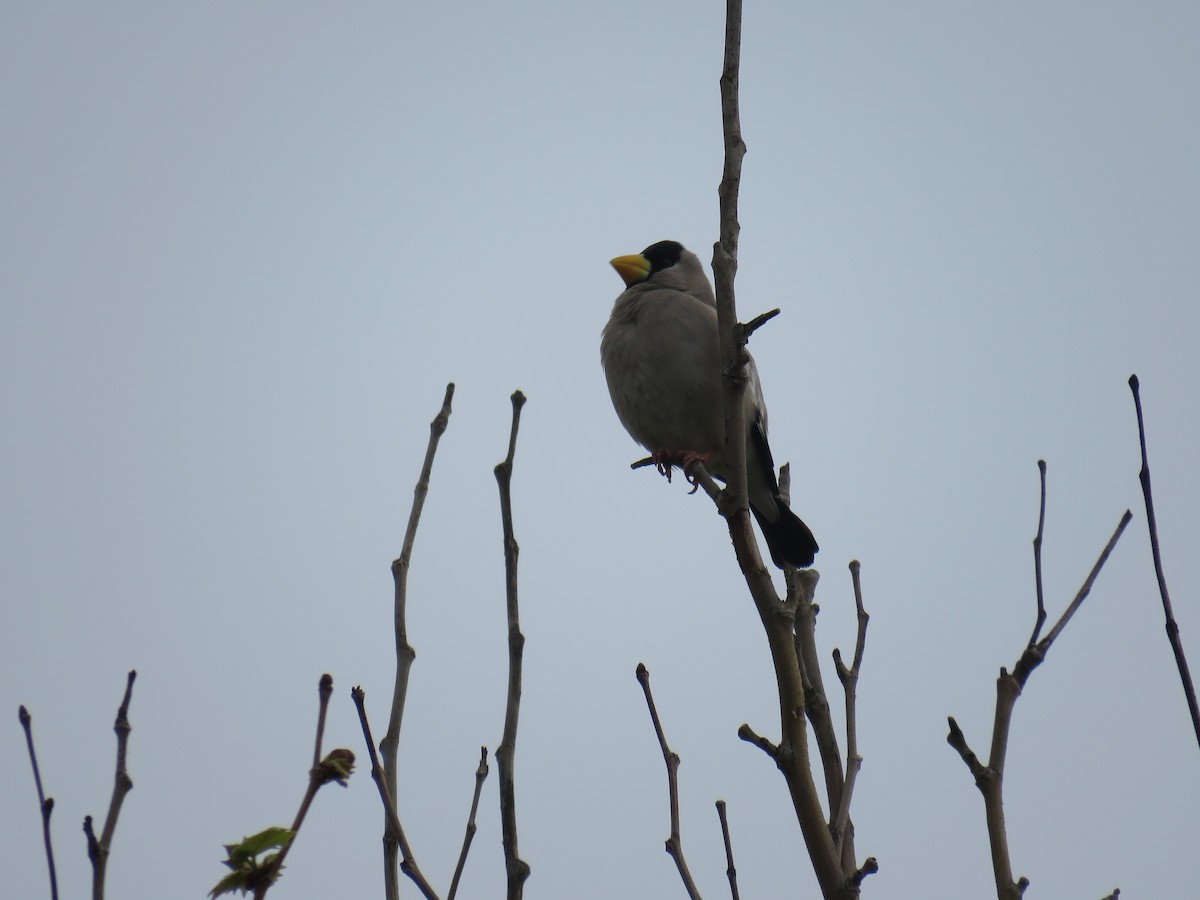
663, 255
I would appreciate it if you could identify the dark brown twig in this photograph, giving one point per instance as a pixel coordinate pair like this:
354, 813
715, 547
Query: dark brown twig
45, 804
750, 736
324, 692
481, 772
744, 331
516, 868
99, 848
405, 654
730, 869
1037, 558
674, 844
408, 863
1185, 675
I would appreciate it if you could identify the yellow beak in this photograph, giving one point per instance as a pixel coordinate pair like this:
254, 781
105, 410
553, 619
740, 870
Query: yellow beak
632, 268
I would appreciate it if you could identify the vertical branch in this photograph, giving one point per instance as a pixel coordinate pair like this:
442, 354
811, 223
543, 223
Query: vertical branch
730, 869
733, 351
1037, 558
45, 804
841, 827
778, 618
517, 869
405, 654
1189, 689
802, 587
98, 848
674, 844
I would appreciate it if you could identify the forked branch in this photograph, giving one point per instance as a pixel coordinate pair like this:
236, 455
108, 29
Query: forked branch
989, 777
99, 847
840, 826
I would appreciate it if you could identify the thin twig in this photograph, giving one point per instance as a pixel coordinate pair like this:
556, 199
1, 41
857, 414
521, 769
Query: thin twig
744, 331
730, 869
99, 848
408, 864
405, 654
516, 868
324, 692
1044, 644
1037, 558
1185, 676
674, 844
45, 804
481, 772
750, 736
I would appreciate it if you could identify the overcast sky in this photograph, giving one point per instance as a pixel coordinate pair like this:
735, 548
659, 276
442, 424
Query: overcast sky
244, 248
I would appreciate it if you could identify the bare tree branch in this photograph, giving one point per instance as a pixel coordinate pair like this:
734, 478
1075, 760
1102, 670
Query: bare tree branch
408, 864
989, 778
730, 869
45, 804
750, 736
674, 844
733, 353
1037, 558
99, 848
802, 587
517, 869
1185, 676
336, 767
390, 745
778, 616
841, 827
481, 772
1044, 644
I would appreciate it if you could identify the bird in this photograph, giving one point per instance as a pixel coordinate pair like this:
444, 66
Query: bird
661, 358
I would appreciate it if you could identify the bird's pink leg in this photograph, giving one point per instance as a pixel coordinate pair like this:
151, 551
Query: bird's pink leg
685, 459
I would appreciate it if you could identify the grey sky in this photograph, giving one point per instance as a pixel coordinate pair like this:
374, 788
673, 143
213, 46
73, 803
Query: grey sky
244, 247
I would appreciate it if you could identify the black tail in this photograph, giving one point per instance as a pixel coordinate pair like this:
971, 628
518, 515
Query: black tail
788, 538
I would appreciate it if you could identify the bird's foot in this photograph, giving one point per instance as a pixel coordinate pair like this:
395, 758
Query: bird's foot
685, 459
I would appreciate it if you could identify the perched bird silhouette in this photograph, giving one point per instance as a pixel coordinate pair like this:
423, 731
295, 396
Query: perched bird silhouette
661, 359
